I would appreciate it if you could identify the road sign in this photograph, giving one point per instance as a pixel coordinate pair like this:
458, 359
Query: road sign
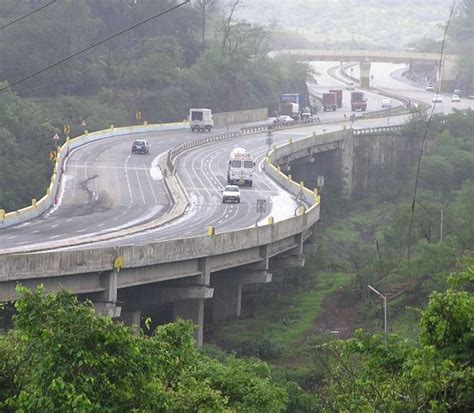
320, 181
53, 156
269, 141
67, 129
56, 137
261, 206
138, 115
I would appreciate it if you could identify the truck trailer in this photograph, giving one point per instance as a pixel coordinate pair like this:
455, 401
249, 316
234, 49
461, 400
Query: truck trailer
290, 109
338, 93
329, 101
358, 101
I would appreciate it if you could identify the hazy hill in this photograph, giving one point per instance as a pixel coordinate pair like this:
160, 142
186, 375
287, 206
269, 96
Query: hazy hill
382, 23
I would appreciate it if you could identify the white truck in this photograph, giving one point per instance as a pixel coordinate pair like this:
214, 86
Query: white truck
241, 168
201, 120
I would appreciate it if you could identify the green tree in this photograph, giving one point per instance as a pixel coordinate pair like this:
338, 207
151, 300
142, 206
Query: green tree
436, 374
61, 357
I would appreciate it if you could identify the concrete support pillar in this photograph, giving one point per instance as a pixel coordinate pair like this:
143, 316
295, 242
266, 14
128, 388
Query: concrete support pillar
192, 310
227, 301
347, 152
365, 75
447, 75
106, 303
131, 318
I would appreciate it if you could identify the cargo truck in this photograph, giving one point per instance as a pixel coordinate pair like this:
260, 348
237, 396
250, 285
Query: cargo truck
358, 101
338, 93
200, 120
290, 109
329, 101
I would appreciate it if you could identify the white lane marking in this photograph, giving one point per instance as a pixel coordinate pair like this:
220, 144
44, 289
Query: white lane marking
35, 232
21, 242
127, 179
13, 237
101, 225
80, 230
148, 173
54, 225
140, 186
69, 220
55, 236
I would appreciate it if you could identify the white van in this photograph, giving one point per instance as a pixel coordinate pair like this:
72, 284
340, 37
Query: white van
386, 104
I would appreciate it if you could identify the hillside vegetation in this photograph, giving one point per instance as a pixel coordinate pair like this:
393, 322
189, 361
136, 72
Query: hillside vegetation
161, 69
387, 24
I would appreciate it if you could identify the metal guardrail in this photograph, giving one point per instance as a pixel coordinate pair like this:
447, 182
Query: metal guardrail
379, 130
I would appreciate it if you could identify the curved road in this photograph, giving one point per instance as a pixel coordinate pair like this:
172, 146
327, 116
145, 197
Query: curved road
106, 188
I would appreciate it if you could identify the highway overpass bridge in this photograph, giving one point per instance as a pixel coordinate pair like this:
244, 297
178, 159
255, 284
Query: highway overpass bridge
446, 65
179, 275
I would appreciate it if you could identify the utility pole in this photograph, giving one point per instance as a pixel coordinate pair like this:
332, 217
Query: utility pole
441, 227
384, 310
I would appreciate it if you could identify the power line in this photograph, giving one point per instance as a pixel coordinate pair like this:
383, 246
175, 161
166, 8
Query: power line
28, 14
94, 45
424, 138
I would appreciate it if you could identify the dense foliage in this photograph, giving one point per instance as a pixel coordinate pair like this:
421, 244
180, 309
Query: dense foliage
435, 374
60, 357
196, 56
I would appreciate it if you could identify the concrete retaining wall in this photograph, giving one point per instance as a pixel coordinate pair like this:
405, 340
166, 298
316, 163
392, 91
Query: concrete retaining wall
241, 116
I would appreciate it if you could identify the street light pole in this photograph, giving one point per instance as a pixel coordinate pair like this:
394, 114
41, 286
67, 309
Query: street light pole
384, 310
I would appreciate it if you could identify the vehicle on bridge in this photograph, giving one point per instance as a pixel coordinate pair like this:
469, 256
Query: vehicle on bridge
338, 93
284, 119
329, 101
141, 146
358, 101
241, 167
290, 109
231, 194
429, 88
455, 98
201, 120
437, 99
386, 104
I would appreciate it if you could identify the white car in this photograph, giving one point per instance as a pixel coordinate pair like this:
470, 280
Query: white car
285, 119
455, 98
430, 88
437, 99
386, 104
231, 194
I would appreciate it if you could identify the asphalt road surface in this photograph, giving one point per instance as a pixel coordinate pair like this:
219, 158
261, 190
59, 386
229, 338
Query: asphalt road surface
106, 188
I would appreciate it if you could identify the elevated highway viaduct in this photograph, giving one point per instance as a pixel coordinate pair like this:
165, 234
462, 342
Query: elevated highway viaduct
180, 264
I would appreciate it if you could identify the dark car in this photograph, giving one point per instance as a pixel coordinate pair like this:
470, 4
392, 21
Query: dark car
140, 146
